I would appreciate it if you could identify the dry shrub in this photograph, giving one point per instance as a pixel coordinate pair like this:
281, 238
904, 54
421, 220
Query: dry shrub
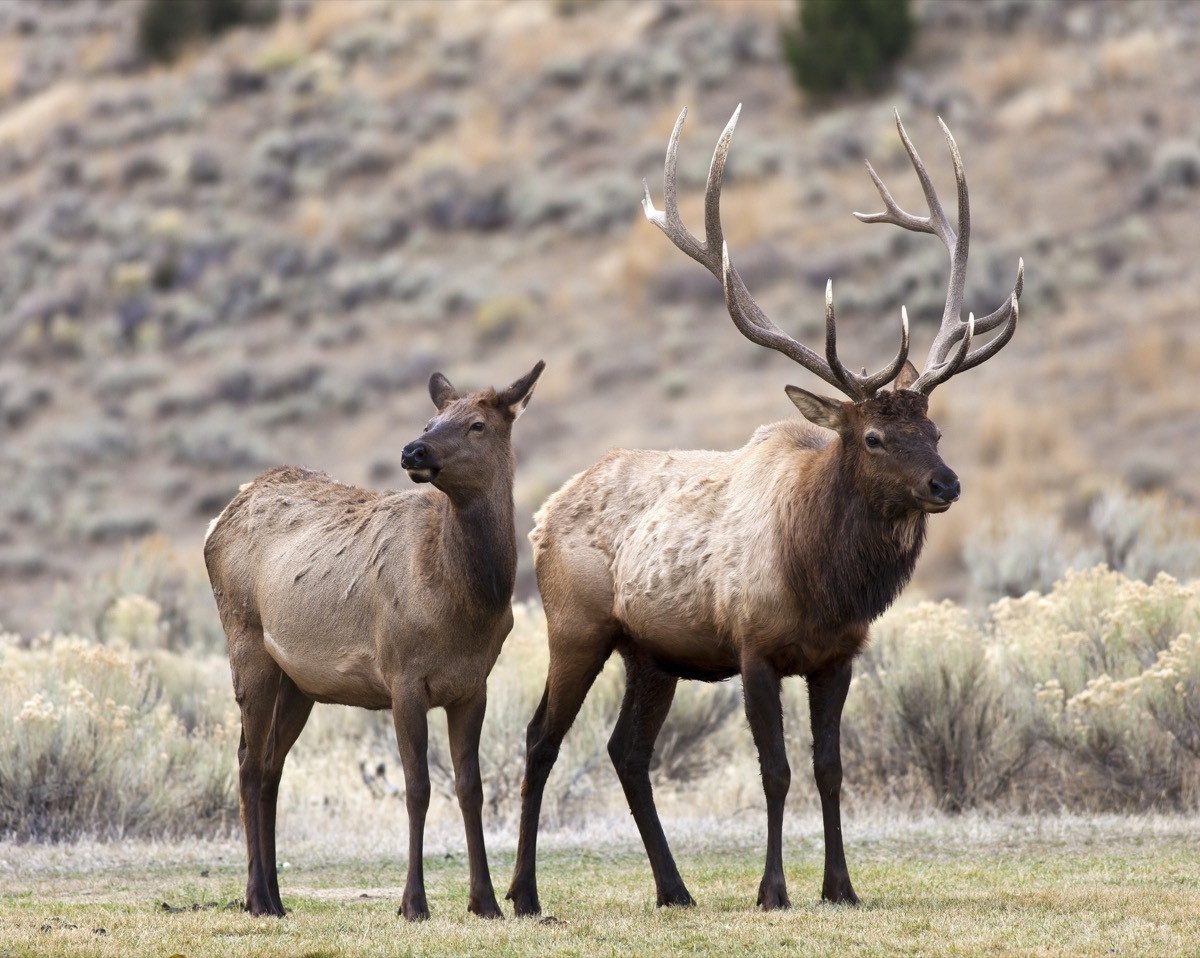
1137, 535
695, 734
152, 569
89, 746
1082, 698
931, 715
290, 38
1016, 554
10, 65
1085, 698
1022, 454
1098, 650
33, 118
1171, 691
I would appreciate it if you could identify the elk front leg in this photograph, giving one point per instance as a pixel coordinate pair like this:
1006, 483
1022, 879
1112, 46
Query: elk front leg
826, 697
760, 685
465, 722
412, 739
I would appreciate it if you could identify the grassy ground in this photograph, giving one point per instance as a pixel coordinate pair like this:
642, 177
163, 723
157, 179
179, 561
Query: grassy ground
933, 887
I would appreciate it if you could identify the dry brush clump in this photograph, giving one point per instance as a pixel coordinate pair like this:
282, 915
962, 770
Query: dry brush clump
1138, 535
933, 715
91, 745
1083, 698
1111, 663
1086, 698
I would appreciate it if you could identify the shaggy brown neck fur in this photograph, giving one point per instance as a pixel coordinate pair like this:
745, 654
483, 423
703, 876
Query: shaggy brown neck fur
846, 559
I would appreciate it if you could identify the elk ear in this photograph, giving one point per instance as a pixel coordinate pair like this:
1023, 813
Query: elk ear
907, 376
516, 397
816, 409
441, 392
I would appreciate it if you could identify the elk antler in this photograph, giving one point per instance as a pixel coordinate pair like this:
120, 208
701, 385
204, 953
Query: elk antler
937, 367
750, 320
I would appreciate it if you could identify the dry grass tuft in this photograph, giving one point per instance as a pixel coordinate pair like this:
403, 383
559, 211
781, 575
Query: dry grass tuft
31, 119
1133, 58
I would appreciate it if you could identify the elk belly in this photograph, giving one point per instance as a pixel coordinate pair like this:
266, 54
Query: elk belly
340, 675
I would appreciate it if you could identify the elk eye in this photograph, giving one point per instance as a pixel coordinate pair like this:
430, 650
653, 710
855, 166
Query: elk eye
476, 427
428, 425
874, 440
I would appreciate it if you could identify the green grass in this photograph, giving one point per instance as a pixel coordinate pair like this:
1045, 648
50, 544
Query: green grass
950, 888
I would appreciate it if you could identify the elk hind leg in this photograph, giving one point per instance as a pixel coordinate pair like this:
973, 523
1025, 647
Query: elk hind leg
648, 695
826, 698
465, 722
292, 709
573, 669
256, 680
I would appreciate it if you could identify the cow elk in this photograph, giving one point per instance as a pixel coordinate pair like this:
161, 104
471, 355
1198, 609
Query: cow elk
768, 561
396, 600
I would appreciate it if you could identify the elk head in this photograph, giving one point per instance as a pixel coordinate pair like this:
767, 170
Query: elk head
465, 430
890, 446
887, 434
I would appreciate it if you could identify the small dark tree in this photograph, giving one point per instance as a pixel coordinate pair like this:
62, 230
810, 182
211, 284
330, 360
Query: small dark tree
838, 46
165, 27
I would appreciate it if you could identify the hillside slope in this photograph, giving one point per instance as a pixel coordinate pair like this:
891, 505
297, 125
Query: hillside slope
258, 255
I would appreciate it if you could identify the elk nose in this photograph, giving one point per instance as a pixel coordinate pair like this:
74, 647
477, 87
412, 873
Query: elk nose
413, 455
944, 486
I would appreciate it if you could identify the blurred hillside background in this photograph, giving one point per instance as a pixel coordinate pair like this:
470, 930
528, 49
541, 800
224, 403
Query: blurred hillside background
258, 253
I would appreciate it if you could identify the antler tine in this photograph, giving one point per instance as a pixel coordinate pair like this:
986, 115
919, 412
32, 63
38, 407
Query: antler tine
935, 375
752, 323
746, 314
953, 331
994, 319
984, 353
936, 222
852, 382
1006, 316
708, 252
668, 220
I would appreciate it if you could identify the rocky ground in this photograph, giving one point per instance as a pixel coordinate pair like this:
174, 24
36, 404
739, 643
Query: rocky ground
259, 254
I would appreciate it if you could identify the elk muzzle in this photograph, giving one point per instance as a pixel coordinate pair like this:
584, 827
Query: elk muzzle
419, 461
943, 490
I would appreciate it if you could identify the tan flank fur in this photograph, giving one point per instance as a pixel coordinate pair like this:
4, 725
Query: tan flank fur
768, 561
399, 600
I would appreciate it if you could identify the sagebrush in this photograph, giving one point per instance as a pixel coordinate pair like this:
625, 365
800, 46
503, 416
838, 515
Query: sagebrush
1083, 698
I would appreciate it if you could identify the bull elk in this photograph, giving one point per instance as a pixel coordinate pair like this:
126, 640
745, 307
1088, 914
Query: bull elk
398, 600
768, 561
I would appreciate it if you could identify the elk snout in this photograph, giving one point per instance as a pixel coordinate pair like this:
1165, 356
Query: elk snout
943, 490
417, 459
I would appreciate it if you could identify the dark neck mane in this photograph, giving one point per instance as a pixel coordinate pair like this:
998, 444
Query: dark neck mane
845, 561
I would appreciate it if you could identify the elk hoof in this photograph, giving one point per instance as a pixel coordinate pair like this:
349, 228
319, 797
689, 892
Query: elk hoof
773, 897
841, 894
259, 908
489, 909
676, 898
414, 911
524, 905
